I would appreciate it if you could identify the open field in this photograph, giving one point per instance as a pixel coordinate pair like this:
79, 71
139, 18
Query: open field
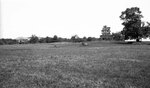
99, 65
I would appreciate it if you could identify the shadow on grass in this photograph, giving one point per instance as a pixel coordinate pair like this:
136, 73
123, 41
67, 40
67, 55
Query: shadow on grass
131, 43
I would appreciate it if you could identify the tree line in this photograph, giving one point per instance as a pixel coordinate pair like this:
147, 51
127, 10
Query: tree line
35, 39
75, 38
32, 40
134, 28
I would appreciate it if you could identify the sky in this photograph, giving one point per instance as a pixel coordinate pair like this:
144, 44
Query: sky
64, 18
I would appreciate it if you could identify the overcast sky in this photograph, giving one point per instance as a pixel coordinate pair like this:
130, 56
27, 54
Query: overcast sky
22, 18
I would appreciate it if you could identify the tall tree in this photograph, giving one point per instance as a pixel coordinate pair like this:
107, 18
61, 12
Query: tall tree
105, 33
132, 23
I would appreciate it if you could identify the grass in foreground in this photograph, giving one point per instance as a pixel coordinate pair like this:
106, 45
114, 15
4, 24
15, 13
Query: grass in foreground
98, 65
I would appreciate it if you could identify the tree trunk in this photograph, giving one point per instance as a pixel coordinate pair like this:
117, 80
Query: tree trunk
138, 40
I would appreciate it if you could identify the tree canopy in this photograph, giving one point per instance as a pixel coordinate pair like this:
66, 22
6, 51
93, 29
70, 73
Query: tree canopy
132, 23
106, 35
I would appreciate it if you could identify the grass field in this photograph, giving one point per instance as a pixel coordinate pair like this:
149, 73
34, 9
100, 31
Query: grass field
99, 65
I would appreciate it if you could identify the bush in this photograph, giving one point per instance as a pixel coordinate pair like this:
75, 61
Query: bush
117, 36
34, 39
8, 41
1, 42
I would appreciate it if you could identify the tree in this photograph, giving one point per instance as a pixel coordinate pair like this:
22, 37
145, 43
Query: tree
89, 39
34, 39
1, 42
49, 40
105, 33
117, 36
42, 40
145, 30
132, 23
55, 38
8, 41
84, 38
75, 38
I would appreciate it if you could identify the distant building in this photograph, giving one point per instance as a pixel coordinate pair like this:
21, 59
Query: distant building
22, 40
